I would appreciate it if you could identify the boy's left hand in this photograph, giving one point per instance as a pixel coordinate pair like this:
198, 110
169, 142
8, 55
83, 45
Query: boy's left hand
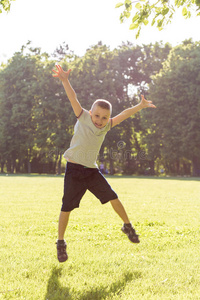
145, 103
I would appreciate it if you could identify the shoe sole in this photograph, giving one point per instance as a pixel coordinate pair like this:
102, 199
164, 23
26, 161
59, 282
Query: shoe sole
61, 261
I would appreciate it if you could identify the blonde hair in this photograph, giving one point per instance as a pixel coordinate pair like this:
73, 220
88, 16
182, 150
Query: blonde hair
103, 104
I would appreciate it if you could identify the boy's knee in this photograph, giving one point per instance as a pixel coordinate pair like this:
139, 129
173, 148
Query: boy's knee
114, 200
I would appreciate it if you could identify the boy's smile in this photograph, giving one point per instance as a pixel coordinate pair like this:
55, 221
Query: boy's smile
100, 116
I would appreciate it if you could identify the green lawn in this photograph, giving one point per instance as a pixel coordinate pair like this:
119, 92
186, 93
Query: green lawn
103, 263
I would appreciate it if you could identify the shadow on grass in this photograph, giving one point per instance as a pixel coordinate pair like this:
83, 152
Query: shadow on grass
57, 292
54, 289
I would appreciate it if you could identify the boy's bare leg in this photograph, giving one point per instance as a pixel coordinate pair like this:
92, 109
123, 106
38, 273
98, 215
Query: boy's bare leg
119, 209
62, 225
127, 227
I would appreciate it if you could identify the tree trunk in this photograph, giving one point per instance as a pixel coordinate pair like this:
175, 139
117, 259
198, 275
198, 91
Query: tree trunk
2, 166
196, 166
111, 166
29, 158
177, 167
59, 164
152, 167
29, 167
8, 165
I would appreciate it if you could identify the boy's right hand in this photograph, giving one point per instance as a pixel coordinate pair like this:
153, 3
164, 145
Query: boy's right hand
62, 75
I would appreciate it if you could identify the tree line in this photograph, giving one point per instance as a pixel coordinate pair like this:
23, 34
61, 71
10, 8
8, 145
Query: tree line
37, 122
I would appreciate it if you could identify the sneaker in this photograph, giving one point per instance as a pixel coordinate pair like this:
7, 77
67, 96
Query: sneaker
130, 232
61, 250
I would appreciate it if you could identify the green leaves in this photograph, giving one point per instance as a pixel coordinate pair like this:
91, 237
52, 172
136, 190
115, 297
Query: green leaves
186, 13
160, 12
135, 18
145, 22
134, 26
119, 4
5, 5
138, 6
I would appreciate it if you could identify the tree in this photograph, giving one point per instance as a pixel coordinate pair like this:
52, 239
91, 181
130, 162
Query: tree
174, 133
5, 5
158, 12
35, 116
19, 81
139, 63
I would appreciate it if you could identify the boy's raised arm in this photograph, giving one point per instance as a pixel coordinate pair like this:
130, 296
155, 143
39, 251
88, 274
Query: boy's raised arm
63, 76
125, 114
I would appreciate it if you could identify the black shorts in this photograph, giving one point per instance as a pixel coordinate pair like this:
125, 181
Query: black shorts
79, 179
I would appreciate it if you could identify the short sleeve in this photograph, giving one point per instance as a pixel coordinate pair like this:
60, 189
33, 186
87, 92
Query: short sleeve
80, 114
84, 115
111, 124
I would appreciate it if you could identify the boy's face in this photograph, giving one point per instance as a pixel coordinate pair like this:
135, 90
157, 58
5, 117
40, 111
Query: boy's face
100, 116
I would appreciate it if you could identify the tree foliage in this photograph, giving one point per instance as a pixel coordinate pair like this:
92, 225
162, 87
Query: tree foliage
174, 132
156, 12
5, 5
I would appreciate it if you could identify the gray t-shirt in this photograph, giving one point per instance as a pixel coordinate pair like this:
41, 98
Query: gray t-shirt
86, 141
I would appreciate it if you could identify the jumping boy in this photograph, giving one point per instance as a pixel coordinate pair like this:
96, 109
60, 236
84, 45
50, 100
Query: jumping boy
82, 172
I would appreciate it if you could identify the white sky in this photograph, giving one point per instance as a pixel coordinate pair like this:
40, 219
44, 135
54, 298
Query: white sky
79, 23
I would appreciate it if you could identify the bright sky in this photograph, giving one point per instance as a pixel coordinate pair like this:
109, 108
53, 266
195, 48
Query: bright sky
79, 23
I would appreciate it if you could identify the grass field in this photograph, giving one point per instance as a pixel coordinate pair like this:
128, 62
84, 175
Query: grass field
103, 263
